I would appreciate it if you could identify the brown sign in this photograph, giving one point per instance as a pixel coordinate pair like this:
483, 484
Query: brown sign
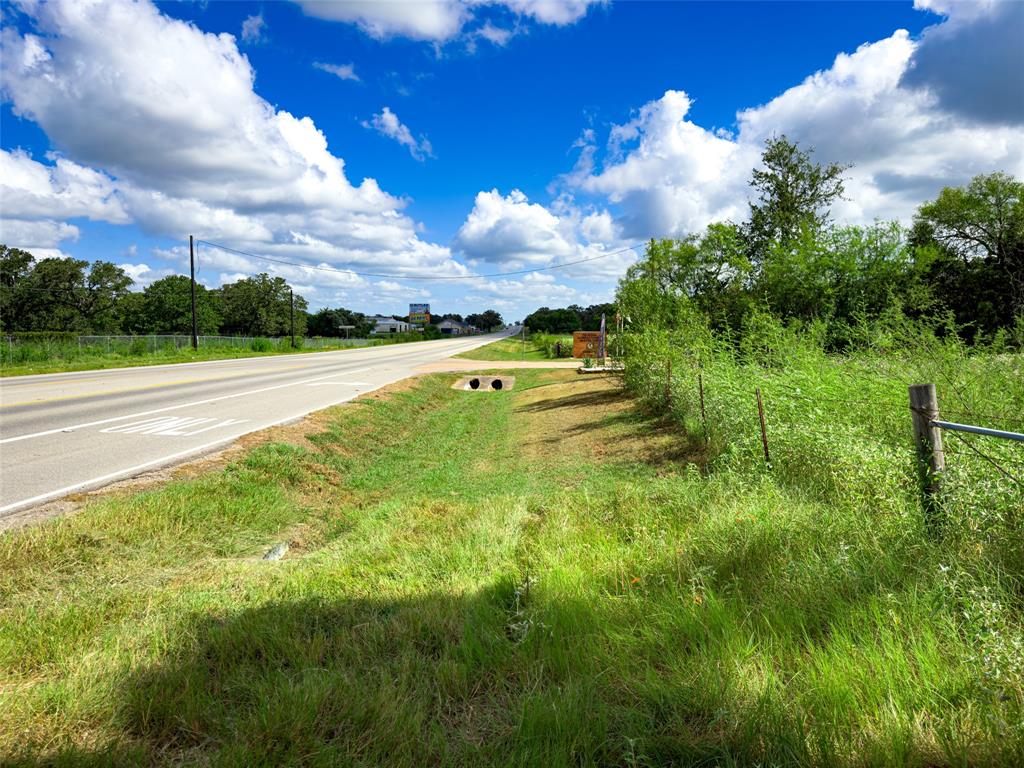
586, 343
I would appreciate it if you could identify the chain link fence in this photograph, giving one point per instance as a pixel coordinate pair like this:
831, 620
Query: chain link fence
15, 349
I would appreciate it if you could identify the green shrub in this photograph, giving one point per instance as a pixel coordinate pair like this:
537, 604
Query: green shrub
838, 426
261, 344
553, 346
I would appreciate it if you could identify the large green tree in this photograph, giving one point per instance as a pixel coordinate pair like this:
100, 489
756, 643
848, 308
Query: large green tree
794, 195
167, 307
705, 272
261, 306
60, 294
15, 267
975, 237
485, 320
328, 322
546, 320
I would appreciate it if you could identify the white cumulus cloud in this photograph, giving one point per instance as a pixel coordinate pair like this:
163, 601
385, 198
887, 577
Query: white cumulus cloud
158, 122
514, 233
387, 124
439, 21
434, 20
669, 175
342, 71
253, 28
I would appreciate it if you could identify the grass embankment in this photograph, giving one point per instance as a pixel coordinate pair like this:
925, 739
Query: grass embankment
512, 348
42, 358
537, 577
536, 347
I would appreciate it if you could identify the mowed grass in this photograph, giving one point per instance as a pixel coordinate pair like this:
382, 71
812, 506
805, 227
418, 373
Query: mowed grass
62, 358
512, 348
538, 577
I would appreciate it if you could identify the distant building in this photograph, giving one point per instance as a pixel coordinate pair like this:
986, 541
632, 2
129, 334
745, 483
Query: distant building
384, 325
454, 328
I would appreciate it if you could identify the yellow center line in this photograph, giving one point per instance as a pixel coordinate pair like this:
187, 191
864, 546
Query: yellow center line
176, 382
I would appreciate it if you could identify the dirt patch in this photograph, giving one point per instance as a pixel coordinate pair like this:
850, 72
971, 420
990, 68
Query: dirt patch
576, 416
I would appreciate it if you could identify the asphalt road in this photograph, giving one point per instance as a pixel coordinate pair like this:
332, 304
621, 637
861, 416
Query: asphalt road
68, 432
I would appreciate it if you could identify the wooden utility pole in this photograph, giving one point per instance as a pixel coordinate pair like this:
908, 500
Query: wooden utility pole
292, 292
764, 428
192, 269
931, 462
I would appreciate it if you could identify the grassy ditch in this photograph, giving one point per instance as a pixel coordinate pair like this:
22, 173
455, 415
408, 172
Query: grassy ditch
544, 576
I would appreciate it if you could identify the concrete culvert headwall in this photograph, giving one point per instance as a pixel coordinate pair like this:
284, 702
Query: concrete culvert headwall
485, 383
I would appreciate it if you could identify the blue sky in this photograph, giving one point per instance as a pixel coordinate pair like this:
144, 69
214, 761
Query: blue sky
496, 136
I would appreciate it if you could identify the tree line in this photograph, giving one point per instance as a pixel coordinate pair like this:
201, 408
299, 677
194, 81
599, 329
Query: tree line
68, 295
959, 265
571, 318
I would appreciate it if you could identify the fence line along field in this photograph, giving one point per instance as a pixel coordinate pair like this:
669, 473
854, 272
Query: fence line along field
51, 352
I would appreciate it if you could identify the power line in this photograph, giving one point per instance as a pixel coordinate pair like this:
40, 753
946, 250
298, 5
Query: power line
393, 276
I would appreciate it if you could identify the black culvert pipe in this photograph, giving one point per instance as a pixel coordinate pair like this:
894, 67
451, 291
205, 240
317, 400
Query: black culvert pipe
474, 383
496, 384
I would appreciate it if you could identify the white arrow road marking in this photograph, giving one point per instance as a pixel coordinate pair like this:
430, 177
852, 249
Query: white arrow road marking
171, 425
176, 407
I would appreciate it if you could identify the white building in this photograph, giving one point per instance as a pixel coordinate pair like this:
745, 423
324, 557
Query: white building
454, 328
385, 325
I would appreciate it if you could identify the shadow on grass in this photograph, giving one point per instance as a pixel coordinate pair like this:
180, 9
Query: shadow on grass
628, 671
635, 435
578, 400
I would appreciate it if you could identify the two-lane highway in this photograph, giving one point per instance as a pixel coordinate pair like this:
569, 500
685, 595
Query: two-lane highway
68, 432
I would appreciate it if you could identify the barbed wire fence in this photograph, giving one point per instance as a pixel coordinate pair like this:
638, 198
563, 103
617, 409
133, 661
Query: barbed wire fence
777, 411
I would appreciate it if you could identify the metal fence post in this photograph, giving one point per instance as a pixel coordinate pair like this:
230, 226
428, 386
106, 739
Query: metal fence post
764, 428
668, 384
931, 462
703, 413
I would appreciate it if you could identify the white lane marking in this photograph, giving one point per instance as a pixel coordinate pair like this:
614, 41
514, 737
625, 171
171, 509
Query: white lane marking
339, 383
34, 377
405, 353
176, 407
171, 426
383, 348
130, 471
152, 426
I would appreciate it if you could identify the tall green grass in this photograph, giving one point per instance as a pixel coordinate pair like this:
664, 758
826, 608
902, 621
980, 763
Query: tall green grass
553, 345
550, 576
839, 435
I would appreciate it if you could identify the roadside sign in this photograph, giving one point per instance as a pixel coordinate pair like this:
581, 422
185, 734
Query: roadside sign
586, 343
419, 314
